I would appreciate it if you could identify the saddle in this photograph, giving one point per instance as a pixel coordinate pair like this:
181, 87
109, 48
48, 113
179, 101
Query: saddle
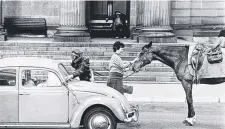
215, 55
198, 55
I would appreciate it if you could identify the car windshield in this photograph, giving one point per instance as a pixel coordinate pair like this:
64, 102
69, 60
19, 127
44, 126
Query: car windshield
63, 70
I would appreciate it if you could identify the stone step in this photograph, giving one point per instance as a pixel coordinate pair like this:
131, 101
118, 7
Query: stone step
67, 49
64, 57
153, 73
148, 74
150, 69
99, 54
142, 73
65, 53
103, 65
106, 63
66, 44
204, 32
143, 82
141, 78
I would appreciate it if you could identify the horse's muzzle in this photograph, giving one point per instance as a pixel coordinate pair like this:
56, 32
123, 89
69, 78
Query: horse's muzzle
136, 70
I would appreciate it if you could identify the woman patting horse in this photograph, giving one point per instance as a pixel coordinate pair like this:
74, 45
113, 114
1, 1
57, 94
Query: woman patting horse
117, 68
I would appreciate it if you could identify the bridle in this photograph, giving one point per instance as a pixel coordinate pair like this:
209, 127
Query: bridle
144, 59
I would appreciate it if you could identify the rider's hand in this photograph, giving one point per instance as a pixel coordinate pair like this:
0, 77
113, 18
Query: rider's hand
69, 77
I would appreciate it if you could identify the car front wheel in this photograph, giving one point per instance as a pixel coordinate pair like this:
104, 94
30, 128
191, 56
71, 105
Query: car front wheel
99, 118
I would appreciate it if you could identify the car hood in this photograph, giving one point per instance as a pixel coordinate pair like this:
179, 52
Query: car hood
85, 86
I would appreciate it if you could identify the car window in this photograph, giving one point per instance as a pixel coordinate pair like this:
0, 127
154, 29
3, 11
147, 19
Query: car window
7, 77
40, 78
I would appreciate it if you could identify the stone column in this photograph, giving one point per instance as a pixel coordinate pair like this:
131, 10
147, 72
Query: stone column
136, 14
72, 22
155, 19
2, 33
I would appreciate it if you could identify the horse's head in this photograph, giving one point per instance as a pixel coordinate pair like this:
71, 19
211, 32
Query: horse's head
144, 58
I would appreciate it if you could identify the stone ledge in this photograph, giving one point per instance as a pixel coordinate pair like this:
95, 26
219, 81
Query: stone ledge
71, 39
145, 39
71, 34
157, 29
157, 34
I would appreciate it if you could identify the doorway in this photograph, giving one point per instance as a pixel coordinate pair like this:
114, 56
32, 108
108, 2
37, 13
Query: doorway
101, 15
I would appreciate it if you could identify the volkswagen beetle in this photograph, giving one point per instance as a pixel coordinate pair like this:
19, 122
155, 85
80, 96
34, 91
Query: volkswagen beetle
34, 94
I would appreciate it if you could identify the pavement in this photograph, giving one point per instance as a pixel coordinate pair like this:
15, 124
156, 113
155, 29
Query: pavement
175, 93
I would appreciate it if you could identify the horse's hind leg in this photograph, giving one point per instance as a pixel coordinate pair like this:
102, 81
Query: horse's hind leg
191, 113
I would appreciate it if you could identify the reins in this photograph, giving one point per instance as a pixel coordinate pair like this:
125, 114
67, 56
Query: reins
129, 75
123, 77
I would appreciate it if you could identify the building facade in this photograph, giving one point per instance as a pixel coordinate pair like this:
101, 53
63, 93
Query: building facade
157, 20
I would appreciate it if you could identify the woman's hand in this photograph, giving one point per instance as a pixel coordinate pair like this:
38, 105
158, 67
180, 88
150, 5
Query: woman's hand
132, 62
126, 69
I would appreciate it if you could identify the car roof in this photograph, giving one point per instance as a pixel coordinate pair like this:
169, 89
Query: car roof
29, 61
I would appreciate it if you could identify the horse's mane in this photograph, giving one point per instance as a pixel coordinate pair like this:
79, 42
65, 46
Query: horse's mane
174, 49
169, 54
170, 46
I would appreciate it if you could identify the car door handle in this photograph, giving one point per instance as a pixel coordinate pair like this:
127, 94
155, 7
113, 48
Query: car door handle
24, 94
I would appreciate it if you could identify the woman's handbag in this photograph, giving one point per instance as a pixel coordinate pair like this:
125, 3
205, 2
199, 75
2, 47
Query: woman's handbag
128, 89
215, 56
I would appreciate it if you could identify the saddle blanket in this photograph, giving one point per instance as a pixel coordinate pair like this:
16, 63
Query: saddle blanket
216, 70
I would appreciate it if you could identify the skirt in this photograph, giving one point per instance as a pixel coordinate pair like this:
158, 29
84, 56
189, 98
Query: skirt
115, 81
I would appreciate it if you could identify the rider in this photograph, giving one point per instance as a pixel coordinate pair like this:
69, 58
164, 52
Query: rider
81, 65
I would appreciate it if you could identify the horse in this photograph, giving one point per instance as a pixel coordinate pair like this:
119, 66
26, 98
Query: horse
175, 57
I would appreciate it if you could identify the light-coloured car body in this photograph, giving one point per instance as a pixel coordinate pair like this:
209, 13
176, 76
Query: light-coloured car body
58, 104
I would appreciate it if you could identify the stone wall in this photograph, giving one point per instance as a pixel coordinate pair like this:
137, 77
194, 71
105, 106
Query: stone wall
197, 18
208, 12
35, 9
189, 18
41, 9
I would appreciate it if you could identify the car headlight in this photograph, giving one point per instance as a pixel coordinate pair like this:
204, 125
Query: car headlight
123, 107
121, 103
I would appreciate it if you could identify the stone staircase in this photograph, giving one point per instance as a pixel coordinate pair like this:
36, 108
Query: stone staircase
99, 53
207, 30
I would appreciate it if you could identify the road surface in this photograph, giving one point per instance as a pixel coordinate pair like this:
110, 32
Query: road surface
171, 116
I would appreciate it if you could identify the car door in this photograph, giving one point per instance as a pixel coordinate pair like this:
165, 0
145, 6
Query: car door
9, 94
42, 98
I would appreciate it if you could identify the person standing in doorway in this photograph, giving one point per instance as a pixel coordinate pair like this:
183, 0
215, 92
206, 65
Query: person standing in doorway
119, 25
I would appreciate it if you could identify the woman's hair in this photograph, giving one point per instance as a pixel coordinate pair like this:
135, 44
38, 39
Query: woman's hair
117, 45
222, 33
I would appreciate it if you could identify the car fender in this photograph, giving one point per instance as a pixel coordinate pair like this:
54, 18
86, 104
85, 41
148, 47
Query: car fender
112, 103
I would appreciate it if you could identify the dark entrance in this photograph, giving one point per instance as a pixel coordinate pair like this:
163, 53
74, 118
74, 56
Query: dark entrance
101, 15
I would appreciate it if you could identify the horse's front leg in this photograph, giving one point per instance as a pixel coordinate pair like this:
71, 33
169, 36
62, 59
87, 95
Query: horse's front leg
191, 113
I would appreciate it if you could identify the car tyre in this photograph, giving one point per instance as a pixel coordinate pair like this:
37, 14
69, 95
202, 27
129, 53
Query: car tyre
99, 118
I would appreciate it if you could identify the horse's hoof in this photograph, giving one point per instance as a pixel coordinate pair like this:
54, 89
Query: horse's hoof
187, 123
